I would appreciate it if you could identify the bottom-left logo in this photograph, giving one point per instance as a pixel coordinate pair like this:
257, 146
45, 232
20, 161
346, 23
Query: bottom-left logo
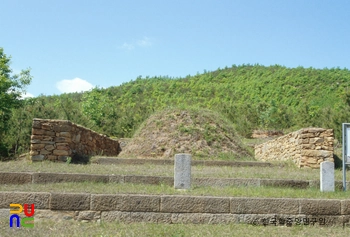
27, 221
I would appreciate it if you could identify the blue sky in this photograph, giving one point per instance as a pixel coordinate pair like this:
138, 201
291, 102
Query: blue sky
73, 45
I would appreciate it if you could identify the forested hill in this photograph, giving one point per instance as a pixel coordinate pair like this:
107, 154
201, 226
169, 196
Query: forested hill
251, 96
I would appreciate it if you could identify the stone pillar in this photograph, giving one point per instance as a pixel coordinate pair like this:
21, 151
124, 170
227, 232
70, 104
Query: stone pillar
182, 171
327, 176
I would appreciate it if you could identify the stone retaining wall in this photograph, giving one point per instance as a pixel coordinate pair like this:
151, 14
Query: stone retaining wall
179, 209
55, 140
130, 161
307, 147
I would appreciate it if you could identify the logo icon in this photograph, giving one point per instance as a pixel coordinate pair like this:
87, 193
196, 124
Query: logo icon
27, 221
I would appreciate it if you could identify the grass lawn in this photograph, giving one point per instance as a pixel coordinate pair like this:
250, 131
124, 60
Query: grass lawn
280, 171
71, 228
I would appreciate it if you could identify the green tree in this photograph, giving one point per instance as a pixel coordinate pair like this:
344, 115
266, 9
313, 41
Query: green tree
12, 86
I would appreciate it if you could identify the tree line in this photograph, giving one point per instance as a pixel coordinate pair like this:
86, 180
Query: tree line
250, 96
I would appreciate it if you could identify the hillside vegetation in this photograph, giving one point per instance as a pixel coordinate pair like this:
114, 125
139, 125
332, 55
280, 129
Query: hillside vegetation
249, 96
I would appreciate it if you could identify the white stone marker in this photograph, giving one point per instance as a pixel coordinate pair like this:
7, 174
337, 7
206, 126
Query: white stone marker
327, 176
182, 171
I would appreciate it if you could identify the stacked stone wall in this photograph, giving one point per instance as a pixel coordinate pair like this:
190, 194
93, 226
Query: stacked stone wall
307, 147
56, 140
176, 209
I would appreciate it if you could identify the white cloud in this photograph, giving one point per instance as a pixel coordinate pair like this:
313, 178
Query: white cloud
27, 95
142, 43
74, 85
145, 42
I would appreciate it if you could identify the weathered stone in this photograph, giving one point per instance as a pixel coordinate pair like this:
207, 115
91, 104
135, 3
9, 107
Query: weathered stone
69, 201
89, 215
57, 135
45, 152
316, 130
49, 147
320, 207
46, 126
15, 178
59, 177
131, 217
53, 215
36, 131
36, 124
327, 176
33, 153
182, 171
65, 134
37, 146
225, 182
264, 206
105, 202
284, 183
38, 158
195, 204
62, 128
52, 157
63, 139
297, 145
39, 199
116, 179
61, 153
141, 179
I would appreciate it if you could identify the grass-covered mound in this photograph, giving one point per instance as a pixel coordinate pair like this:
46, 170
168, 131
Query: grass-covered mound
203, 133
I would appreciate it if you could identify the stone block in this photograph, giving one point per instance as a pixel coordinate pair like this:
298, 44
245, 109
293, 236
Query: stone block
284, 183
54, 215
182, 171
225, 182
63, 139
45, 152
89, 215
140, 179
315, 130
320, 207
62, 128
61, 153
70, 201
33, 153
38, 158
52, 158
46, 126
327, 176
264, 206
37, 146
62, 177
132, 217
345, 207
49, 133
37, 131
49, 147
36, 124
15, 178
193, 204
133, 203
65, 134
116, 179
39, 199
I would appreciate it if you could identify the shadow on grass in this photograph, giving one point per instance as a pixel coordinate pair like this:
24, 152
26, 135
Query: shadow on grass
338, 163
80, 159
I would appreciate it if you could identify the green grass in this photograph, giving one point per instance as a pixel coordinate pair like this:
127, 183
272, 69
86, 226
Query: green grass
162, 189
280, 171
71, 228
